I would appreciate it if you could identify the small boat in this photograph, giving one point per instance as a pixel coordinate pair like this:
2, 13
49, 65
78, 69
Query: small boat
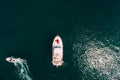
11, 59
14, 60
57, 51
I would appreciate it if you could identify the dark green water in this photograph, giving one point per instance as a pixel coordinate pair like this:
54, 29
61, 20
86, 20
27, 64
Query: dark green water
88, 28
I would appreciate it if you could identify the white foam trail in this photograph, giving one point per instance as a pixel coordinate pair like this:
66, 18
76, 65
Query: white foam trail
22, 67
98, 62
94, 59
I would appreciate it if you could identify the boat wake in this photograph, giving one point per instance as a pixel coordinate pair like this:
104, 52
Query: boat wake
94, 59
21, 67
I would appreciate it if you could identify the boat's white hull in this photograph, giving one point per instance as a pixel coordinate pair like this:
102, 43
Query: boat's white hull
11, 59
57, 51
